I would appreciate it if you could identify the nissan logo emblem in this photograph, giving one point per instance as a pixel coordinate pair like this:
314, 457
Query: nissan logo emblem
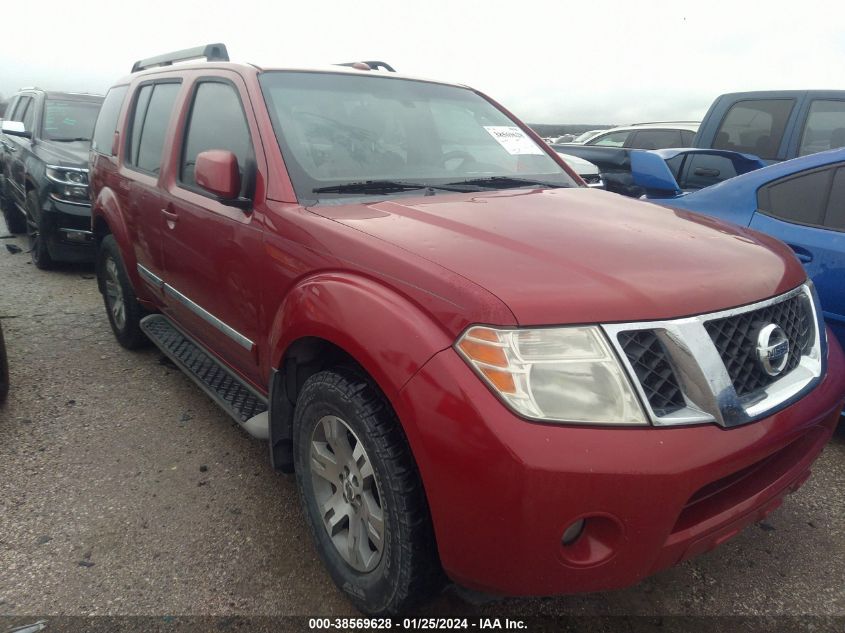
772, 349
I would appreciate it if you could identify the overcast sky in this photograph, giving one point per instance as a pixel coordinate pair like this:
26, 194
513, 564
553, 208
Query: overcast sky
548, 61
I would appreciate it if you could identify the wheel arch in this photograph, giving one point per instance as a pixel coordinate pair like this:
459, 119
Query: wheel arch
343, 320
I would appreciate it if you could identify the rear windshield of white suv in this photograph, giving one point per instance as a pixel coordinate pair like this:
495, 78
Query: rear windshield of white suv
338, 129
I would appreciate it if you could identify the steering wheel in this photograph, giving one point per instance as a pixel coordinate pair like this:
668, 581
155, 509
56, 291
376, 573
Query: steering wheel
465, 157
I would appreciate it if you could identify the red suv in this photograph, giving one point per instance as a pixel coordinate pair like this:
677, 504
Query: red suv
472, 362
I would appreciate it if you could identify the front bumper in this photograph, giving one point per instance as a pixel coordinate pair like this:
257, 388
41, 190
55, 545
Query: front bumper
67, 229
502, 490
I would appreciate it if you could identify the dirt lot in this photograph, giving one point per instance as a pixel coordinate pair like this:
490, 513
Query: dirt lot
125, 491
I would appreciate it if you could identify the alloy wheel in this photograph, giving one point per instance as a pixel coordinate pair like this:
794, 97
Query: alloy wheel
114, 294
347, 493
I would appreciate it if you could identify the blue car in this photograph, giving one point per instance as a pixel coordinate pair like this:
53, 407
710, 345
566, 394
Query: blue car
801, 202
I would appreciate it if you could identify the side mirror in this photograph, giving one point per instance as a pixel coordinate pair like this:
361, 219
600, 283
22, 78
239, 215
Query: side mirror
15, 128
217, 172
651, 172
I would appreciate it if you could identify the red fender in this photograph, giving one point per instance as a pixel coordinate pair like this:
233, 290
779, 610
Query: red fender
389, 335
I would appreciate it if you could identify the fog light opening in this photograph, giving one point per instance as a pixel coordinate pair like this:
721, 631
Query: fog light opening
571, 534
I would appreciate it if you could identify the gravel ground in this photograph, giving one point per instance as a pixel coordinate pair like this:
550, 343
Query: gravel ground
125, 491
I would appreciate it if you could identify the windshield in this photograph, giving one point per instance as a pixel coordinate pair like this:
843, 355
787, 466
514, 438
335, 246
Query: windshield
341, 132
69, 120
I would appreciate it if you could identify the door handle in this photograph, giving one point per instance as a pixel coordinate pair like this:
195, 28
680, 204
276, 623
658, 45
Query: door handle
804, 256
169, 216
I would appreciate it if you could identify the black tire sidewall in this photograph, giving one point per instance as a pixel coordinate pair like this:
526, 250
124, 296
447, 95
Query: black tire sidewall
372, 592
40, 253
130, 335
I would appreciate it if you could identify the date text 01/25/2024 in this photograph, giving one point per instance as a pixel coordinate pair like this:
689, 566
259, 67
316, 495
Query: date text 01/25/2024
432, 624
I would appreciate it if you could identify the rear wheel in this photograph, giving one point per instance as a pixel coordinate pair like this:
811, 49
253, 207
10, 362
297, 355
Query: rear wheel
122, 307
362, 494
15, 220
35, 230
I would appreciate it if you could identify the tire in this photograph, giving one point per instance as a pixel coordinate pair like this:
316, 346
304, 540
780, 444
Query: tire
122, 307
35, 230
4, 369
15, 220
343, 418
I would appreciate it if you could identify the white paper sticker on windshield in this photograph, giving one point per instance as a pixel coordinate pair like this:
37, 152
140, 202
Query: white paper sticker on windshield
514, 140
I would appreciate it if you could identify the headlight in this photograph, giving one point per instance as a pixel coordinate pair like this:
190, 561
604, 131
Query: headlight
67, 175
566, 374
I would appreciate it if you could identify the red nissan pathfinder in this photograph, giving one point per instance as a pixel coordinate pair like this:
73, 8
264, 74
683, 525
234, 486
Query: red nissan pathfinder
473, 363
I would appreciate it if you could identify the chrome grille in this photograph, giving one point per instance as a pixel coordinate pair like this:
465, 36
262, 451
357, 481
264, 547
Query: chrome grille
650, 361
705, 368
736, 339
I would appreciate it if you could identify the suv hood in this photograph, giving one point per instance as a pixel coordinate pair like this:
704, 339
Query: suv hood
565, 256
66, 154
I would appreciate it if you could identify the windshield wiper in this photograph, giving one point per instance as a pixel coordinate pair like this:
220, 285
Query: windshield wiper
69, 140
391, 186
507, 182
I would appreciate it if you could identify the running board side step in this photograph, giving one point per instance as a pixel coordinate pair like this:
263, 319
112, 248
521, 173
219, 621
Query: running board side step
248, 407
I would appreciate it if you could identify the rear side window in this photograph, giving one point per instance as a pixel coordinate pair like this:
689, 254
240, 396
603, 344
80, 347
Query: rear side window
614, 139
755, 127
107, 121
825, 127
835, 215
801, 199
217, 121
656, 139
150, 119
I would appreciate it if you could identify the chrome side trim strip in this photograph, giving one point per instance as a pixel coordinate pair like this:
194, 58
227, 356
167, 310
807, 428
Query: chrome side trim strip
704, 380
147, 275
209, 318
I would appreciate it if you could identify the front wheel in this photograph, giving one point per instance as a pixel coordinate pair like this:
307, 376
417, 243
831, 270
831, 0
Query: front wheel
362, 494
122, 307
35, 230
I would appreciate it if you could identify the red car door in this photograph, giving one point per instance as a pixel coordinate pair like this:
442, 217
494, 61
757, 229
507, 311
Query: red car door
148, 123
211, 249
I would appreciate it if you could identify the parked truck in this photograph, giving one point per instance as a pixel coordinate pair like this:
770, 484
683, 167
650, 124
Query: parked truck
774, 125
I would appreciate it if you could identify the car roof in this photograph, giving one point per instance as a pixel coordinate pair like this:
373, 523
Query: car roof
691, 126
67, 96
245, 68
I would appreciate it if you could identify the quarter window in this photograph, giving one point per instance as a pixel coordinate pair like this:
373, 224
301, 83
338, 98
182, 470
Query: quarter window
217, 121
825, 127
107, 121
150, 119
755, 127
835, 216
800, 199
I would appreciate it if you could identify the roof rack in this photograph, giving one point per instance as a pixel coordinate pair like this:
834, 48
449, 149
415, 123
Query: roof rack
211, 52
370, 66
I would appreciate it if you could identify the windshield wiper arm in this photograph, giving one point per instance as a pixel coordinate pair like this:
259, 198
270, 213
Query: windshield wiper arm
390, 186
69, 140
507, 182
